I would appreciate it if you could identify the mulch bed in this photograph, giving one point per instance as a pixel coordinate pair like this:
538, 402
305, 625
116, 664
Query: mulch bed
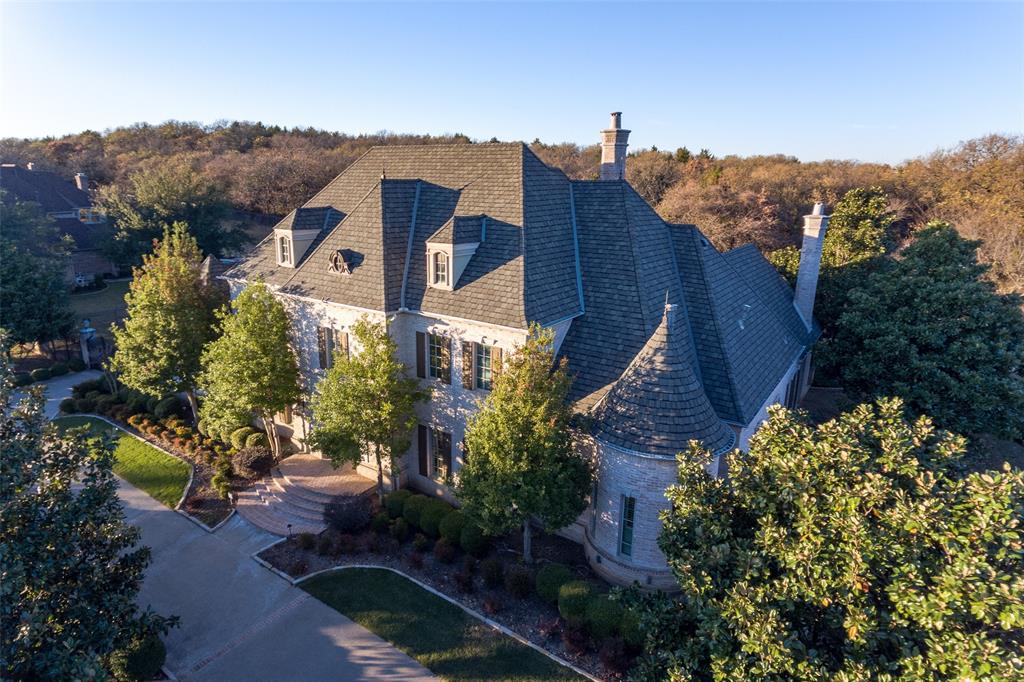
530, 617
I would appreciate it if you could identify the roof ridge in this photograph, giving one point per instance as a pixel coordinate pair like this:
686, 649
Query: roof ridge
335, 179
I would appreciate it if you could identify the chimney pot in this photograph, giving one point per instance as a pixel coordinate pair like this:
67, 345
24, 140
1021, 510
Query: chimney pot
616, 120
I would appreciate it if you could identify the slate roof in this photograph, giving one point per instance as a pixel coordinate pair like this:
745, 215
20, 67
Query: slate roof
658, 405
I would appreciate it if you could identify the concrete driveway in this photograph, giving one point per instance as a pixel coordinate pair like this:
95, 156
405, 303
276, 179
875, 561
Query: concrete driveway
239, 621
57, 389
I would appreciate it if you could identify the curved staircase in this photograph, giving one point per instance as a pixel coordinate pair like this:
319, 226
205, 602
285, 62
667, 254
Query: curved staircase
296, 492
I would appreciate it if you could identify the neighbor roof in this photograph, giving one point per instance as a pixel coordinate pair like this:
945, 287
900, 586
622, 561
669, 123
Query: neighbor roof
52, 192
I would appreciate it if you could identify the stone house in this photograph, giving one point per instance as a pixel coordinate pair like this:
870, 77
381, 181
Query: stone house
70, 206
460, 248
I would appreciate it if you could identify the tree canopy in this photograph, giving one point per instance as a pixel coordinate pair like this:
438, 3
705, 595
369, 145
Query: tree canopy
344, 427
70, 566
852, 550
520, 459
932, 330
251, 369
171, 317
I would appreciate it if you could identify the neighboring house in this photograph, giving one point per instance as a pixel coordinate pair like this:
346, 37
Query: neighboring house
459, 248
71, 207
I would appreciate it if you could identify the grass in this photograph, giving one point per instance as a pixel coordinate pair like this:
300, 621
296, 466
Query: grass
101, 307
161, 476
441, 636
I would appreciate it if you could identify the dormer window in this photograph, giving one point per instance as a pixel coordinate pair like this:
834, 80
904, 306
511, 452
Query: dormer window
284, 250
440, 268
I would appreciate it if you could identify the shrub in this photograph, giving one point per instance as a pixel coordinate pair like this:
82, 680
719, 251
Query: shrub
416, 560
105, 402
348, 513
400, 530
324, 545
183, 432
432, 514
346, 544
492, 571
22, 378
573, 598
413, 506
258, 439
492, 605
550, 579
603, 616
575, 640
41, 374
85, 405
451, 526
151, 404
469, 564
306, 540
463, 580
93, 395
420, 542
120, 413
76, 365
473, 541
373, 543
380, 523
613, 656
395, 502
140, 660
67, 405
82, 389
629, 626
518, 582
239, 435
58, 369
201, 427
167, 407
253, 462
298, 567
444, 551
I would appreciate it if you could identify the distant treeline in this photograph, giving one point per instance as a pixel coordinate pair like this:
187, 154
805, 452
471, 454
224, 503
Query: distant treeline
978, 185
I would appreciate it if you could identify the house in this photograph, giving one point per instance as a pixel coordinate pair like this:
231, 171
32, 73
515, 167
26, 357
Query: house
71, 208
459, 248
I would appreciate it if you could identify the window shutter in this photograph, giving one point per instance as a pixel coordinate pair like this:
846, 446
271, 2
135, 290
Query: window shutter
495, 361
446, 360
421, 353
341, 341
422, 449
468, 351
321, 346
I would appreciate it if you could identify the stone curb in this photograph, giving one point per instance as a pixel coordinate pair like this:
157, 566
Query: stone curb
479, 616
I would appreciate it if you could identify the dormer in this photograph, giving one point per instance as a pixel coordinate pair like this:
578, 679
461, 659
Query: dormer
450, 249
294, 235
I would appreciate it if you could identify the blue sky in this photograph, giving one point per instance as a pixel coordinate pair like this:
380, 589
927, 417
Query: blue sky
868, 81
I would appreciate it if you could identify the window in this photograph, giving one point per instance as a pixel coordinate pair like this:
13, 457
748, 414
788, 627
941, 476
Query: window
440, 268
329, 341
483, 366
626, 527
441, 455
284, 250
438, 345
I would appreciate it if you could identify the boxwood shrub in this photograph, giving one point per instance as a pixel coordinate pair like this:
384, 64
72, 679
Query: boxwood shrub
432, 514
473, 541
254, 462
603, 616
518, 582
85, 405
76, 365
167, 407
59, 369
67, 405
451, 526
41, 374
412, 509
258, 439
395, 502
573, 598
140, 660
550, 579
348, 513
239, 435
22, 378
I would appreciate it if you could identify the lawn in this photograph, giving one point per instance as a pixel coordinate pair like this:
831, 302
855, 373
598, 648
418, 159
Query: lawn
161, 476
441, 636
101, 307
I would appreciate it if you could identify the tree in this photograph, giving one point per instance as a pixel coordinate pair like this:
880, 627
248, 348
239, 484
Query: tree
171, 317
651, 173
521, 462
70, 566
154, 198
251, 368
852, 550
931, 329
367, 402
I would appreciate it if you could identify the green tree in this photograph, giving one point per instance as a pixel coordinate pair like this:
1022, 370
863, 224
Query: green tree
367, 403
154, 198
521, 462
848, 551
251, 368
171, 317
70, 566
931, 329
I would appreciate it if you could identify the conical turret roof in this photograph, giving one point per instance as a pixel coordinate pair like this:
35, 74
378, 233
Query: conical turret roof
658, 405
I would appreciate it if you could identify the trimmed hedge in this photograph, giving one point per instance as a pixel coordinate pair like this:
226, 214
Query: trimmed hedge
85, 405
381, 523
573, 598
452, 525
603, 616
473, 541
395, 502
201, 427
41, 374
413, 508
550, 579
76, 365
253, 462
59, 369
518, 582
239, 435
430, 517
167, 407
67, 405
258, 439
400, 530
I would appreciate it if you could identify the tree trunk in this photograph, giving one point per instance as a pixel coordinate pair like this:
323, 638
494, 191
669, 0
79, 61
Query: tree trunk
380, 473
271, 427
527, 543
194, 404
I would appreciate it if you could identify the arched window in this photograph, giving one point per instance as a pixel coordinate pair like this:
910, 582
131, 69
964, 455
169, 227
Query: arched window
440, 268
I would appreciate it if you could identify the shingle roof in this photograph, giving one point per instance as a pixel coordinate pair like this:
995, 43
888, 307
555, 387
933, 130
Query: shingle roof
658, 404
49, 190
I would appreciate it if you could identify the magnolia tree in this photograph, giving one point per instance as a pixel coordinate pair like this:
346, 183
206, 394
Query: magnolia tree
367, 403
854, 550
70, 566
251, 369
171, 317
521, 463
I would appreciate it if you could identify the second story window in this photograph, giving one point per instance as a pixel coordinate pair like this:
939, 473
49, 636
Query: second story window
440, 269
433, 357
438, 356
483, 366
284, 250
328, 342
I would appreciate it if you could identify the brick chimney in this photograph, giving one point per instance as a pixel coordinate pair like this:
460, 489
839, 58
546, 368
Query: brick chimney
613, 149
815, 226
82, 181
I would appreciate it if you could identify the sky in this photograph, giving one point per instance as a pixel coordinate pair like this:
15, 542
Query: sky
870, 81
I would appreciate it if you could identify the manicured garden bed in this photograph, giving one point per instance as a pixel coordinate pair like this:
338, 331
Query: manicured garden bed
439, 635
161, 476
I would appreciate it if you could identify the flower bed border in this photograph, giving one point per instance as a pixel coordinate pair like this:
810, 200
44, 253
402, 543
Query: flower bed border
451, 600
